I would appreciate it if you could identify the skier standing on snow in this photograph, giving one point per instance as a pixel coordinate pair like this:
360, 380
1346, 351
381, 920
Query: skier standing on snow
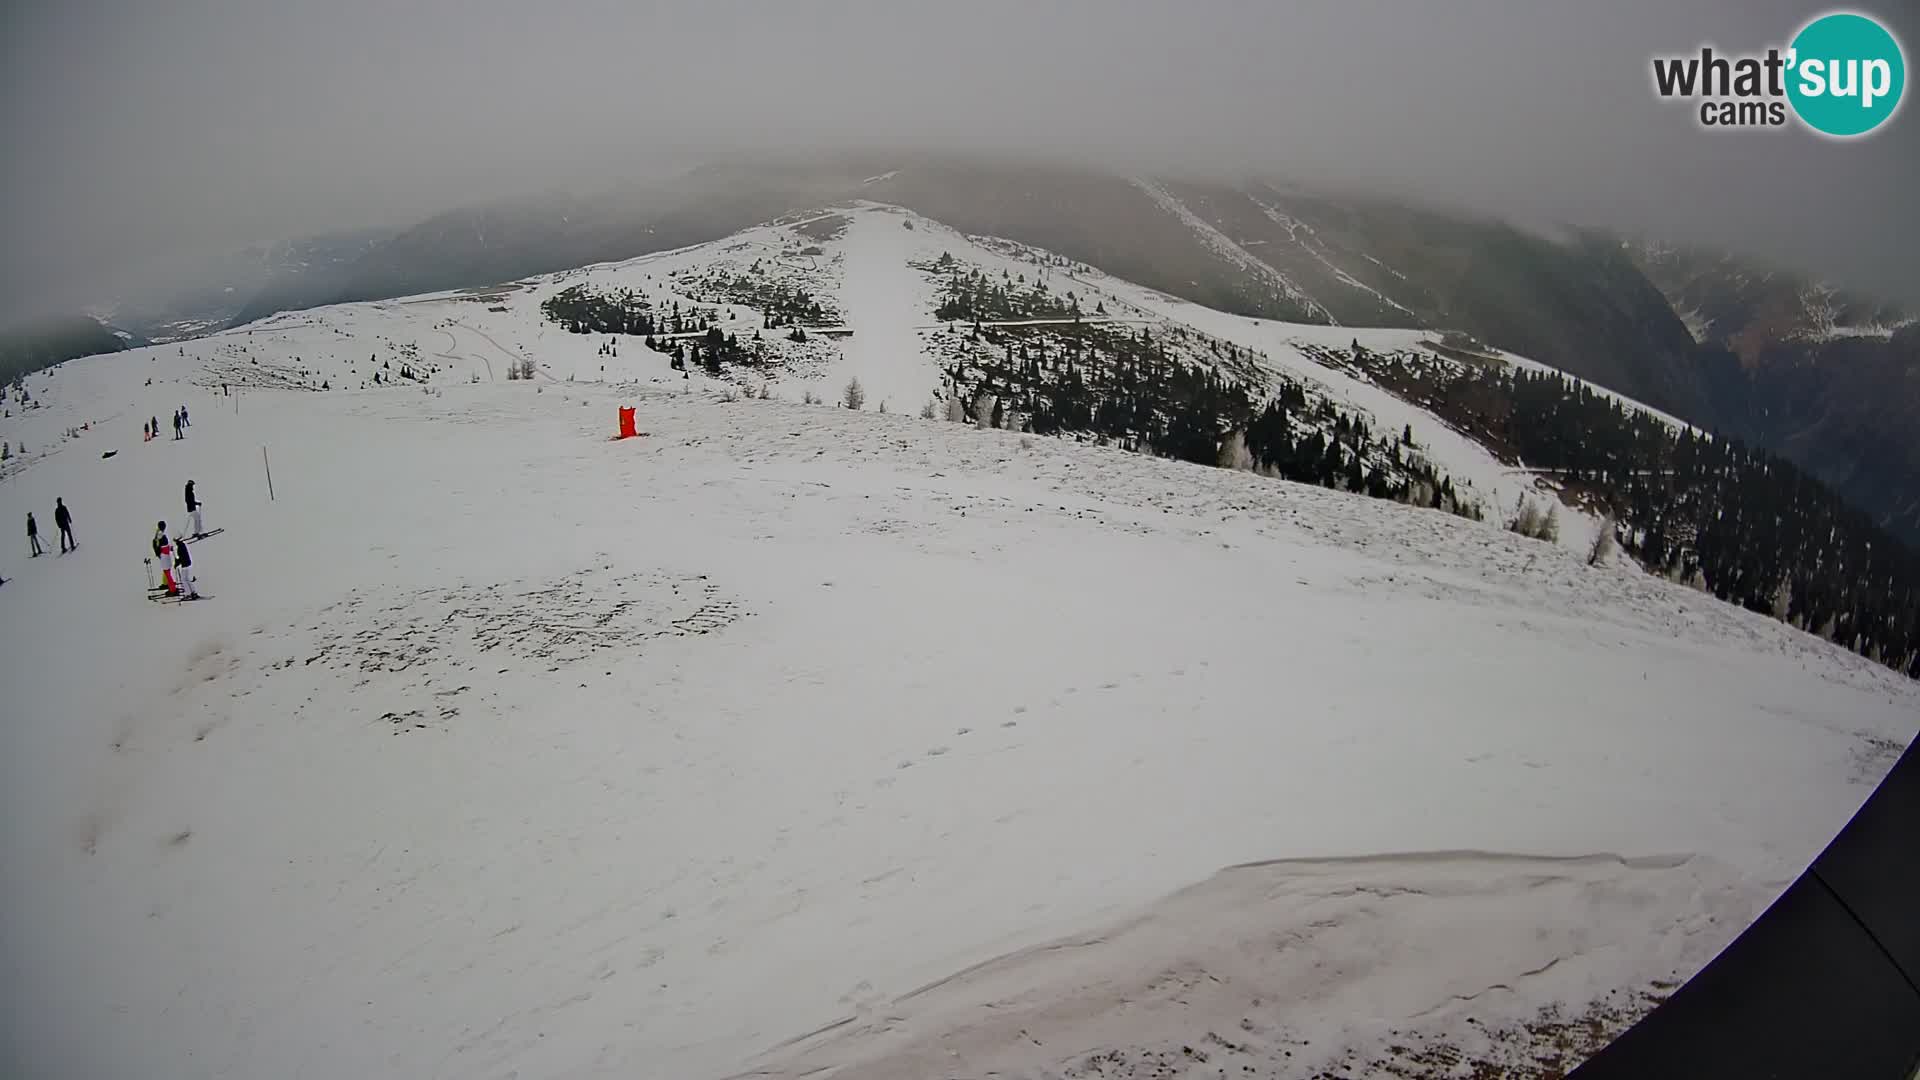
163, 554
63, 519
33, 536
193, 511
183, 562
184, 422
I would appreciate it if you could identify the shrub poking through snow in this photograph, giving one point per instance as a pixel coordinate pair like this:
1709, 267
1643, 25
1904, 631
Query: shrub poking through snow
1540, 523
1603, 544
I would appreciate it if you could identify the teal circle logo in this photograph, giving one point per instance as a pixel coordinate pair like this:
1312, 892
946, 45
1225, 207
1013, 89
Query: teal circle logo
1847, 74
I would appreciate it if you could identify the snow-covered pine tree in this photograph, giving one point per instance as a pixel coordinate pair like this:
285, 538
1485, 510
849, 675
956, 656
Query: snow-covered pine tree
1234, 453
1603, 543
983, 405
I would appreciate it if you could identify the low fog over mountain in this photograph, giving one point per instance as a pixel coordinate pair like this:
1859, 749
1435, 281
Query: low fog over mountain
144, 140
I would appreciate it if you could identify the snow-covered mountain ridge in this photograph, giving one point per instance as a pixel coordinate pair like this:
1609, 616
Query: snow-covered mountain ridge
500, 746
880, 270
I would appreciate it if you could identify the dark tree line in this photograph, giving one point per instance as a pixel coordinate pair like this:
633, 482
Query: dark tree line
688, 337
1314, 443
1746, 525
793, 307
1126, 388
582, 310
780, 305
585, 311
714, 351
971, 296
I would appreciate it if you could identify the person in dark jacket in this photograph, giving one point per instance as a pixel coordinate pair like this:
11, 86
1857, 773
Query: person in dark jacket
193, 511
183, 569
63, 518
33, 536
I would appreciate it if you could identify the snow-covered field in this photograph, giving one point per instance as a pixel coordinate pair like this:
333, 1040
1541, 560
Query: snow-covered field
788, 739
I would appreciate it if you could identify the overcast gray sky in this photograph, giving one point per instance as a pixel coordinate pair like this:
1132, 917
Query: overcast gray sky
143, 130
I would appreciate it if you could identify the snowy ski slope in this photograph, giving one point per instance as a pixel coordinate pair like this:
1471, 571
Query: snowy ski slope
788, 739
873, 274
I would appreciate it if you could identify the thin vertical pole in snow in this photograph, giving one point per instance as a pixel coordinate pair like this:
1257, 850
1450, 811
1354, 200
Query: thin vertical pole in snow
269, 468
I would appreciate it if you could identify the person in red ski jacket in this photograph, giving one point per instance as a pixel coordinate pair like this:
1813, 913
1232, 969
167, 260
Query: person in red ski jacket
163, 554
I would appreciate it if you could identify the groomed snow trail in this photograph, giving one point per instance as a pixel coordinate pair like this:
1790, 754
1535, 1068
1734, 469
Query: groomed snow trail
886, 302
